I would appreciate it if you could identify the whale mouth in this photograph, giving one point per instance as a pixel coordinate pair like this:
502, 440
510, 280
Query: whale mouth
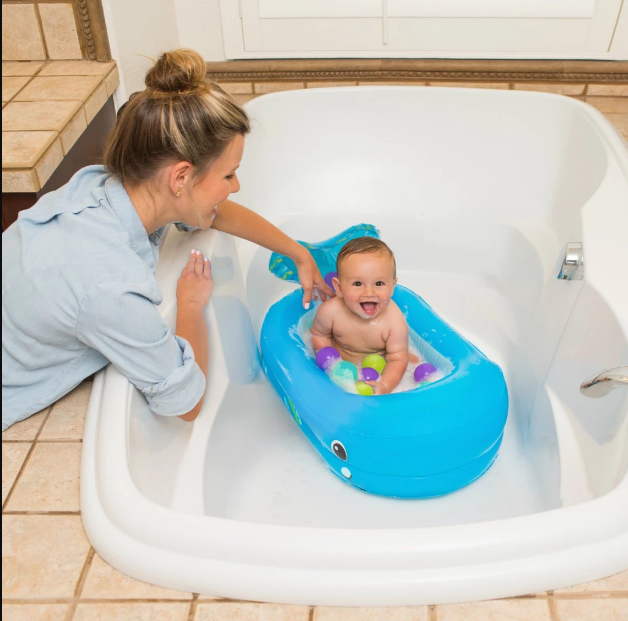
370, 308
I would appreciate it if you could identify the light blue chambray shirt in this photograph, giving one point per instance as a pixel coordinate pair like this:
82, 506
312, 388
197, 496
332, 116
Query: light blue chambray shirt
78, 292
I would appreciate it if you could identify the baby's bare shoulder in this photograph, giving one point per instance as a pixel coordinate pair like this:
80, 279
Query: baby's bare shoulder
396, 319
329, 308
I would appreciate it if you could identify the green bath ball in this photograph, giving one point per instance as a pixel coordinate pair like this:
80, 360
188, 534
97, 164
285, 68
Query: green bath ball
374, 361
364, 389
344, 371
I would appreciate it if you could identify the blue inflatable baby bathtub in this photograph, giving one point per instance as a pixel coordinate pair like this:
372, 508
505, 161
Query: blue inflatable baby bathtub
424, 442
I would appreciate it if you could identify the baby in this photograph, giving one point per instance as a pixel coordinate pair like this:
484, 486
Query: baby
362, 319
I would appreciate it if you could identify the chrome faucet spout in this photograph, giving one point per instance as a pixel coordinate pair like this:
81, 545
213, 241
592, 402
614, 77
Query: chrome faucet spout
601, 384
571, 267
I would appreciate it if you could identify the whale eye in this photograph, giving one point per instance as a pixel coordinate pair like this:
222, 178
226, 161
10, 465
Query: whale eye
339, 450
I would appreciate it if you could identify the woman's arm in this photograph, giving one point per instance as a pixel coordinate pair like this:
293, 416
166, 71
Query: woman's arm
242, 222
193, 292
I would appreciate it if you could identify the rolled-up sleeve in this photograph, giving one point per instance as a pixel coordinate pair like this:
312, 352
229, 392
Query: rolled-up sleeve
121, 321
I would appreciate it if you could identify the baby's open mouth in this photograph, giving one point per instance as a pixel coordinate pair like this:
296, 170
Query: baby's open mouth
369, 307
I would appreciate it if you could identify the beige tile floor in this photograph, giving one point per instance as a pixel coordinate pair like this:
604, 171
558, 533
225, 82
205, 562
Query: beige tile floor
51, 573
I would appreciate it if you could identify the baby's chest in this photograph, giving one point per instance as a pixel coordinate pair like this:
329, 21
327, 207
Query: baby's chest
360, 337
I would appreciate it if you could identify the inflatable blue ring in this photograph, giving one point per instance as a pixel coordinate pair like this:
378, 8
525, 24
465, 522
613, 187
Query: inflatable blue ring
425, 442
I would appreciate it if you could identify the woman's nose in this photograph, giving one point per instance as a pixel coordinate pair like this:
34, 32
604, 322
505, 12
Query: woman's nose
235, 185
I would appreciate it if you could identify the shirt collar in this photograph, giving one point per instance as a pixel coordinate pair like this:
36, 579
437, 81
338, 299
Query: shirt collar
143, 244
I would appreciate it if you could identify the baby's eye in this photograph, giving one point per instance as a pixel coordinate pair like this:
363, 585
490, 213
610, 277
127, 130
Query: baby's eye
380, 283
357, 283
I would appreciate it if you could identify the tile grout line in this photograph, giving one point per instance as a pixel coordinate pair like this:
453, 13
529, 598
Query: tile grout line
553, 609
69, 615
193, 606
59, 441
26, 459
96, 600
9, 512
41, 30
45, 441
592, 595
19, 90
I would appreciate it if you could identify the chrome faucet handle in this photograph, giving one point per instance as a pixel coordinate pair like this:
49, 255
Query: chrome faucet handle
601, 384
571, 262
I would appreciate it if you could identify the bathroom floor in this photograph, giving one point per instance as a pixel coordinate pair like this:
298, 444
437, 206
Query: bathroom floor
51, 573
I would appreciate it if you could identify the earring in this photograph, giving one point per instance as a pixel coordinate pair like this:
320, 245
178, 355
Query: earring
178, 194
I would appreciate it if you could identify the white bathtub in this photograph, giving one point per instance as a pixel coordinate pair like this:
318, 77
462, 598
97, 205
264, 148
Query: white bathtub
477, 192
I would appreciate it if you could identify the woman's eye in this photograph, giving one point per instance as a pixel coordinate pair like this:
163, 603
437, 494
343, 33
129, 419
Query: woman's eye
229, 176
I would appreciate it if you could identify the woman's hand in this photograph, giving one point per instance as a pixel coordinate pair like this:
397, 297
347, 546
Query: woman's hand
310, 278
194, 289
195, 284
242, 222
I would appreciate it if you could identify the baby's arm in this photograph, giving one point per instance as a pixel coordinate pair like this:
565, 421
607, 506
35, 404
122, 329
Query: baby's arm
396, 358
321, 331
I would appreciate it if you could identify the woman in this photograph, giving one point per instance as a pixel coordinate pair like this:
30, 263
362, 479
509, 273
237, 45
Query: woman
79, 289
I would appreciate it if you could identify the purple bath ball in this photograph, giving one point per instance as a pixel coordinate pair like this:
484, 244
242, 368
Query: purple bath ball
326, 357
329, 279
369, 375
423, 371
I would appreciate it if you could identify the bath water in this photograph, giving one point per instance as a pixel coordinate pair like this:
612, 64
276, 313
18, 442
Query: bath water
302, 330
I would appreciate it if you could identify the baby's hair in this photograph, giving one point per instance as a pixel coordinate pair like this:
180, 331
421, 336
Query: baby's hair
365, 245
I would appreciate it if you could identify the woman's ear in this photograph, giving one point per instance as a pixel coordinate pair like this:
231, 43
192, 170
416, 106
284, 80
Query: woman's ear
180, 177
336, 284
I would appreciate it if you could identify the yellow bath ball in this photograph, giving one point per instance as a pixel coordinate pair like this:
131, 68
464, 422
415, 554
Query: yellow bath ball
374, 361
364, 389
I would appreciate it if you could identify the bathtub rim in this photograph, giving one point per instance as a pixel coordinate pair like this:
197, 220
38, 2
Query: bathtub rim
600, 122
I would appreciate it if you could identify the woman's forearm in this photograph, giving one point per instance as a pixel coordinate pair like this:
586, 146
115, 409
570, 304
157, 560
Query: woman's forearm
237, 220
192, 327
242, 222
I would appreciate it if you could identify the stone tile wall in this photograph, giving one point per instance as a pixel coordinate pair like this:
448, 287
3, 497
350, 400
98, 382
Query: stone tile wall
39, 31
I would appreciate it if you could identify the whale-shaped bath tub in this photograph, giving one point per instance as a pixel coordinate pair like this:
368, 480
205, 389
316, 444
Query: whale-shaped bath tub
424, 442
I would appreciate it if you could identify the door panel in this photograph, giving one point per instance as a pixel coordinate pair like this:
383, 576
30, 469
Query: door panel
421, 28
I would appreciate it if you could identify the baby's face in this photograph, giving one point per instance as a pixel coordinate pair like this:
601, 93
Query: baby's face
366, 283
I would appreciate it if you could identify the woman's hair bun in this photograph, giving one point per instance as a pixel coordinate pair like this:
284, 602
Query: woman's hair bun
180, 71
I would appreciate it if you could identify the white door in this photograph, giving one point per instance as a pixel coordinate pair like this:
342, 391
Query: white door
421, 28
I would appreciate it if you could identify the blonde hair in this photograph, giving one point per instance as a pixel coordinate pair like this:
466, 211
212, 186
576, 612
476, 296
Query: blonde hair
181, 116
365, 245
